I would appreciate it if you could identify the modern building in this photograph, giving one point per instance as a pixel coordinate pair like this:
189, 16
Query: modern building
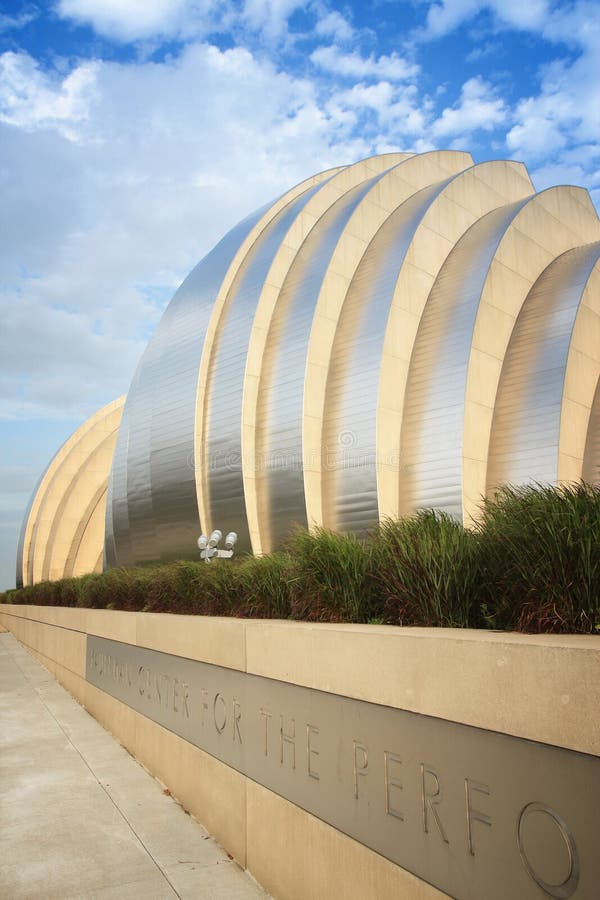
409, 331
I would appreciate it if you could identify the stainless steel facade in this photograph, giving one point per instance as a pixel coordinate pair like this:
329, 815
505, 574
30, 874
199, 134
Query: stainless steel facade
406, 332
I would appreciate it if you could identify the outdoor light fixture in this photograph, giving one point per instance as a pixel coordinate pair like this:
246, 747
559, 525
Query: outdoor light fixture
208, 545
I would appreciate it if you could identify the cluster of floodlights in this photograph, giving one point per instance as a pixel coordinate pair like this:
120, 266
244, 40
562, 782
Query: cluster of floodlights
208, 545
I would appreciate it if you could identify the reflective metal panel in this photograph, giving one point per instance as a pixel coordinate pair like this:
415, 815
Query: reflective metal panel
591, 459
349, 470
432, 430
525, 435
152, 509
226, 377
279, 442
476, 813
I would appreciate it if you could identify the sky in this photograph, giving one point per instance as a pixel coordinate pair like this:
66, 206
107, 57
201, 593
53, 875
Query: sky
135, 133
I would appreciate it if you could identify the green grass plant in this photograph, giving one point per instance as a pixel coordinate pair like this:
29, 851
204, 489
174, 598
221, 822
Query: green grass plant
331, 577
540, 552
531, 564
426, 571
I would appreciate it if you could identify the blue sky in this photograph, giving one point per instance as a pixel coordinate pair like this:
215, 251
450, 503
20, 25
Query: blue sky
134, 133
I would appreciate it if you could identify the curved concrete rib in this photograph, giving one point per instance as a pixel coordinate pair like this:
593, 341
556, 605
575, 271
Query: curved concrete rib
360, 411
59, 505
393, 189
548, 378
250, 463
462, 340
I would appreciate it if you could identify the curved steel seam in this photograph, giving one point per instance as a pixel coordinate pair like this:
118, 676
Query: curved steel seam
291, 246
530, 398
465, 200
392, 189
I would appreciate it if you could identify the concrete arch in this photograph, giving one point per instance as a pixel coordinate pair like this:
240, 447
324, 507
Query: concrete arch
462, 341
548, 378
218, 413
80, 468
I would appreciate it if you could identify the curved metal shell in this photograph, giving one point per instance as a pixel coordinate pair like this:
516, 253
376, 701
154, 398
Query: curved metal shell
408, 331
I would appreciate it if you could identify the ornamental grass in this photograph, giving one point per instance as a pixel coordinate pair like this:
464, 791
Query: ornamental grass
531, 564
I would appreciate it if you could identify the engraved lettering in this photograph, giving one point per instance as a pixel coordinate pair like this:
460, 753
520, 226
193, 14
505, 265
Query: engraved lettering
285, 738
311, 751
141, 671
237, 715
220, 726
203, 704
186, 697
360, 768
175, 692
475, 815
266, 716
569, 885
429, 801
391, 781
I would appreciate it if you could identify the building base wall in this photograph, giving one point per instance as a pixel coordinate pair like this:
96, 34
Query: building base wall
518, 689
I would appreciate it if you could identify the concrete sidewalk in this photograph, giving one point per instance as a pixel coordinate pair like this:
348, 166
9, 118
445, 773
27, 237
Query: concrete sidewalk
80, 818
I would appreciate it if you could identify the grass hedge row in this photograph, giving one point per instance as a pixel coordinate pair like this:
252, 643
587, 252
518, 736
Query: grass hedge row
532, 564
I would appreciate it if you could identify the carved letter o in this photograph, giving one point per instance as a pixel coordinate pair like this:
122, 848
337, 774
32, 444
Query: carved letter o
568, 887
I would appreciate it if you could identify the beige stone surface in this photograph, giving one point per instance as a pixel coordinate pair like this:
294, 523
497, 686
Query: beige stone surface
220, 641
118, 625
324, 862
64, 533
80, 818
549, 224
543, 687
214, 793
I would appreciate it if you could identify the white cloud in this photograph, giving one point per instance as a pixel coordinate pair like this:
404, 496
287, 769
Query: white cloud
270, 17
134, 20
334, 25
10, 23
29, 98
143, 20
479, 107
444, 17
116, 180
353, 65
563, 117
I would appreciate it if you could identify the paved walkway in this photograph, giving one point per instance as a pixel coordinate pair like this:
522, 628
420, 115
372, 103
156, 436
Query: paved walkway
80, 818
